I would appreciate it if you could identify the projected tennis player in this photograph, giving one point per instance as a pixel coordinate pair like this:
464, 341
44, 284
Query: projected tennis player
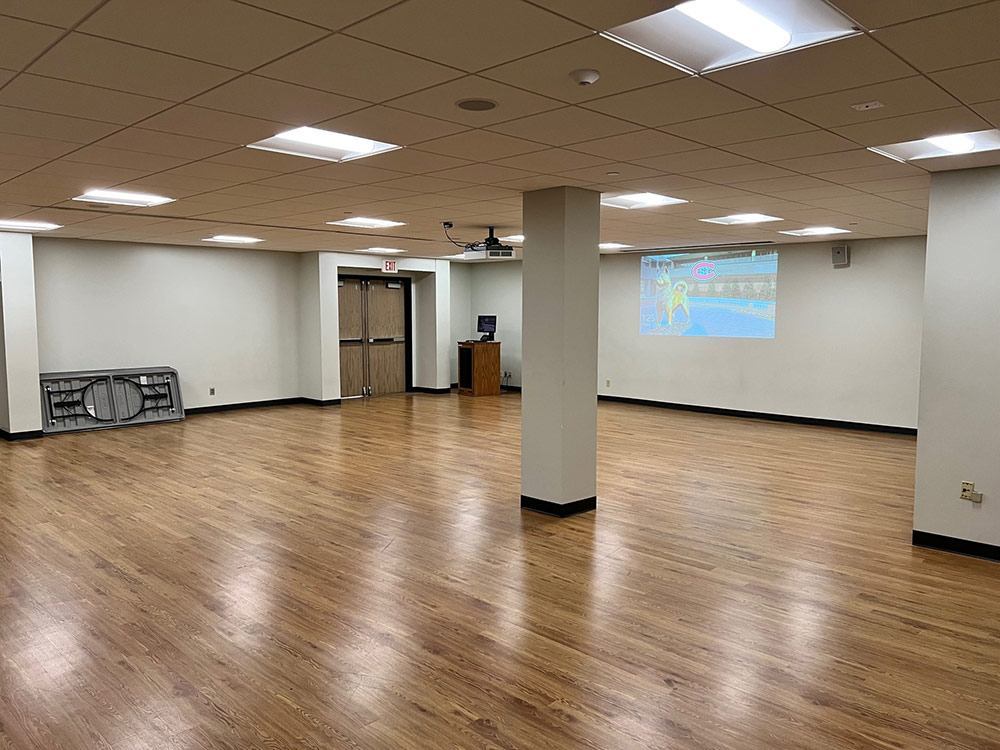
678, 299
664, 294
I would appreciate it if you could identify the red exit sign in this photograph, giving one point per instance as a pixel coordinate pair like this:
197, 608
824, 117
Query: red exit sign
389, 266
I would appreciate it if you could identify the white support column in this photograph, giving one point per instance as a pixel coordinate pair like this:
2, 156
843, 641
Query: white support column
20, 403
959, 415
319, 328
559, 350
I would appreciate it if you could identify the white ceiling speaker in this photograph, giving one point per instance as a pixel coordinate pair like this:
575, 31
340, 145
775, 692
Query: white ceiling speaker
585, 76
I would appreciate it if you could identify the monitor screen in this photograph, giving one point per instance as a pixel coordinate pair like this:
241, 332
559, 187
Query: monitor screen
487, 324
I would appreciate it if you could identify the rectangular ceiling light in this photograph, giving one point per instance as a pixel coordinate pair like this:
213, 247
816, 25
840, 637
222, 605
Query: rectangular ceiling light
613, 246
15, 225
232, 239
517, 239
360, 222
742, 219
123, 198
316, 143
815, 231
639, 200
939, 146
381, 250
704, 35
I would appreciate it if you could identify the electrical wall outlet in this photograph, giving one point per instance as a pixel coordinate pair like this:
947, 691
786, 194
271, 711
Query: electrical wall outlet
969, 492
607, 383
211, 391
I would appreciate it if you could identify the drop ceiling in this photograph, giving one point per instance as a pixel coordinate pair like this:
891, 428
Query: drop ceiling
96, 94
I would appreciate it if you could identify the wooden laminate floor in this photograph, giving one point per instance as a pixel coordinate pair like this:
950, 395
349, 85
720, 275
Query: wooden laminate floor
362, 577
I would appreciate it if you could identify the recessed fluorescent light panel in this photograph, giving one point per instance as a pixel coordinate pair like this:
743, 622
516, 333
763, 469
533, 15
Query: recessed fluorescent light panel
815, 231
360, 222
13, 225
123, 198
232, 239
639, 200
936, 147
381, 250
316, 143
613, 246
517, 239
742, 219
703, 35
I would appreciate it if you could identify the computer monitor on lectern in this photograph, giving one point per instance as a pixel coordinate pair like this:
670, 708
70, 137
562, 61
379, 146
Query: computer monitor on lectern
487, 325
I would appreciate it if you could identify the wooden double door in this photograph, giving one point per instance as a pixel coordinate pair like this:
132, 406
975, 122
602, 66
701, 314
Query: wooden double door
374, 336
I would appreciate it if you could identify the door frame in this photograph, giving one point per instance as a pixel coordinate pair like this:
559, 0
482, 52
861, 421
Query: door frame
408, 304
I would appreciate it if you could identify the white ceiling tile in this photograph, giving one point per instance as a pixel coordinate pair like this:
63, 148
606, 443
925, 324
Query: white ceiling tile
847, 63
326, 13
676, 101
78, 100
779, 185
355, 68
24, 145
602, 15
901, 97
414, 161
642, 144
130, 159
221, 32
961, 37
212, 124
123, 67
551, 160
480, 145
62, 13
439, 30
256, 96
744, 173
694, 161
46, 125
738, 127
914, 127
392, 125
990, 111
483, 174
442, 102
21, 41
875, 15
164, 144
621, 172
560, 127
887, 171
548, 72
972, 83
859, 157
790, 146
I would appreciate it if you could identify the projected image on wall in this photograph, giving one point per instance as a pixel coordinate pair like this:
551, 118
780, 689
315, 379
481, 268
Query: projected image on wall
730, 294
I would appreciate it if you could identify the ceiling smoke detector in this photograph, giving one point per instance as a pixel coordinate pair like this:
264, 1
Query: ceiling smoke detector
476, 105
585, 76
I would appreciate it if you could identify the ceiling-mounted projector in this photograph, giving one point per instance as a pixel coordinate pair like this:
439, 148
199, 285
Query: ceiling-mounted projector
488, 248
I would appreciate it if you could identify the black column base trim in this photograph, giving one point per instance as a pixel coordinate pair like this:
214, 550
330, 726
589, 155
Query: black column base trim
815, 421
511, 388
320, 402
559, 510
15, 437
256, 404
958, 546
436, 391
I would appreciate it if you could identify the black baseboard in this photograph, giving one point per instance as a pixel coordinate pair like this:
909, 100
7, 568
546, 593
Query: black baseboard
958, 546
454, 385
763, 415
15, 437
559, 510
511, 388
437, 391
256, 404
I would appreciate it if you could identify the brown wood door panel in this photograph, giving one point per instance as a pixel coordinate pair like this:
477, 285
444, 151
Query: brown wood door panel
386, 310
387, 367
351, 310
352, 369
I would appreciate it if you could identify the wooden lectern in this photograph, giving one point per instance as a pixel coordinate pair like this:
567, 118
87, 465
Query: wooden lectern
479, 368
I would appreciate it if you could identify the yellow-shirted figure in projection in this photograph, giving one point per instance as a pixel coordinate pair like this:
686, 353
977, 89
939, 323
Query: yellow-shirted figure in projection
669, 297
